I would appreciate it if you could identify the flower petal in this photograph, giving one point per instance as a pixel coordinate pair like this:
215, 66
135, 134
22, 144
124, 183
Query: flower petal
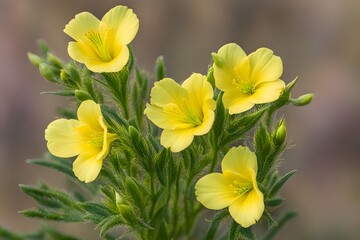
268, 92
87, 167
214, 191
115, 65
89, 113
62, 140
81, 24
167, 91
249, 208
124, 21
240, 160
169, 117
231, 56
177, 139
208, 120
265, 66
236, 101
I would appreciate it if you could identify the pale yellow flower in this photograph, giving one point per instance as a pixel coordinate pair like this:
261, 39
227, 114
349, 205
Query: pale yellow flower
102, 45
182, 111
235, 188
87, 137
247, 80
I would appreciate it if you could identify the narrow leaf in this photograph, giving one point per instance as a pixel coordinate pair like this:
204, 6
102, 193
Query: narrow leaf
280, 183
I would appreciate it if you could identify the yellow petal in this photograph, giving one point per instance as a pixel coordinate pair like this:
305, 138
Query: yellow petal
177, 140
248, 209
107, 139
265, 66
89, 113
124, 21
208, 120
114, 65
81, 52
167, 91
198, 88
239, 160
214, 191
81, 24
231, 56
236, 101
87, 167
169, 117
268, 92
62, 140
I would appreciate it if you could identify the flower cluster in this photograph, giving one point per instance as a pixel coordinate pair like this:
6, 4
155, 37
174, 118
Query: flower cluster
187, 130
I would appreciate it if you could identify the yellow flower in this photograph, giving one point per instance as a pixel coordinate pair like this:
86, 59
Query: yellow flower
87, 137
235, 188
102, 45
182, 111
247, 80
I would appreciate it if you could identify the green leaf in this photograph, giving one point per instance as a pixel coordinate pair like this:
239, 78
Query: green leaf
219, 122
215, 222
280, 183
273, 230
233, 231
109, 223
247, 233
65, 93
51, 216
6, 234
274, 202
96, 209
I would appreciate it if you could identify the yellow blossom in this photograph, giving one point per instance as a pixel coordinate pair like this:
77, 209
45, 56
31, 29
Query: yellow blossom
102, 45
247, 80
87, 137
235, 188
182, 111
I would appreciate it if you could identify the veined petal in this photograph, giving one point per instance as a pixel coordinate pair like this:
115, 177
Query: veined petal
89, 113
208, 120
265, 66
114, 65
240, 160
198, 88
61, 138
167, 91
248, 209
231, 56
268, 92
236, 101
81, 24
170, 117
178, 139
214, 191
107, 139
87, 167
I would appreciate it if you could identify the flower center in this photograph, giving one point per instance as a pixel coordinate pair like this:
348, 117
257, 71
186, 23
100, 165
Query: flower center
191, 116
245, 86
241, 188
97, 42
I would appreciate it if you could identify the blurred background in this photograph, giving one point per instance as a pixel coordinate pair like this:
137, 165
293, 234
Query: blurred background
317, 40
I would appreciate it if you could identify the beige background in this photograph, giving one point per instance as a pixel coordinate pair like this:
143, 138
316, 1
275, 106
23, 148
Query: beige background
318, 41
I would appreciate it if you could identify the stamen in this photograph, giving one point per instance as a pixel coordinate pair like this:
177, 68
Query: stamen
98, 44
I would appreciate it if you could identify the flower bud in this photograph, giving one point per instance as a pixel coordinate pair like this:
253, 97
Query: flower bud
82, 95
49, 72
35, 59
302, 100
280, 134
127, 213
160, 68
54, 60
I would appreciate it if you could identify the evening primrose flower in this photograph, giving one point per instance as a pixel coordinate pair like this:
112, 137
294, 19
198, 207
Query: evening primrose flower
247, 80
182, 111
235, 188
102, 45
87, 137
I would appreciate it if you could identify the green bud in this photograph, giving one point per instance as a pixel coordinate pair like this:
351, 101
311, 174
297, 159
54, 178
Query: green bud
133, 190
127, 213
54, 60
43, 47
49, 72
210, 77
35, 59
280, 134
134, 134
217, 60
65, 76
160, 68
82, 95
302, 100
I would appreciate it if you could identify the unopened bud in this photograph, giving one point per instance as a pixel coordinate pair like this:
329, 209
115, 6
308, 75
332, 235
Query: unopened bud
217, 60
302, 100
82, 95
54, 60
160, 68
35, 59
280, 134
210, 77
49, 72
127, 213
